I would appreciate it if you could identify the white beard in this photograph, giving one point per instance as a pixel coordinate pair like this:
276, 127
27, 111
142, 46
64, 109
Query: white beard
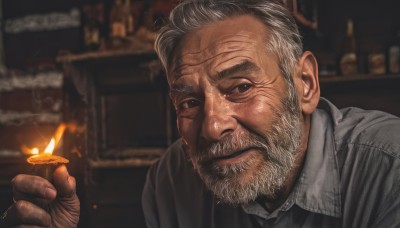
265, 172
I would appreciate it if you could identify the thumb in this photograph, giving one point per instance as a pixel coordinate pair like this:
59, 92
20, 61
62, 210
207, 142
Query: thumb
64, 183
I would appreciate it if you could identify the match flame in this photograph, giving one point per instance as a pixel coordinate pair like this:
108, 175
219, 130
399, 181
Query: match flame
50, 148
56, 139
52, 144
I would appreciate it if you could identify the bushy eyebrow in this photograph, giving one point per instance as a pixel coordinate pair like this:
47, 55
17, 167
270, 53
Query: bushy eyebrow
245, 66
180, 89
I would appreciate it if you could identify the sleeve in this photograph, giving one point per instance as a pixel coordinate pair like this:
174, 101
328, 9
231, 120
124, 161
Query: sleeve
390, 216
389, 210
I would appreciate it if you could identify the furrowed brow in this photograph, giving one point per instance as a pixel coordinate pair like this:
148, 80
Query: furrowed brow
180, 89
242, 67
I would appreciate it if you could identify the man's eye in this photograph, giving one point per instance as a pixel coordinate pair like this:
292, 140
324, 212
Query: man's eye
189, 104
242, 88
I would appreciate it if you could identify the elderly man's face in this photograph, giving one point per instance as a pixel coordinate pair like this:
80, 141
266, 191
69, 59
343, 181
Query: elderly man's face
231, 101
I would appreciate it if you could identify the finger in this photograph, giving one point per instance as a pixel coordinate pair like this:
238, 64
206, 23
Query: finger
30, 197
26, 187
64, 183
26, 213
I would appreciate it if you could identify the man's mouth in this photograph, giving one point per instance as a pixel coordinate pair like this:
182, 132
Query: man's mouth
232, 155
231, 158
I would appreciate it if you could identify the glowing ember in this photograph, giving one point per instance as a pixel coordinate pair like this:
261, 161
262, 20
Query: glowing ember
35, 151
41, 159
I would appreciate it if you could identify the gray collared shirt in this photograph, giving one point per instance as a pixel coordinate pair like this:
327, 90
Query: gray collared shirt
350, 178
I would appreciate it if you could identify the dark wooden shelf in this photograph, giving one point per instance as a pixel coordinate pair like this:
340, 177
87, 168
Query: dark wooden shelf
135, 47
358, 83
378, 92
358, 78
87, 56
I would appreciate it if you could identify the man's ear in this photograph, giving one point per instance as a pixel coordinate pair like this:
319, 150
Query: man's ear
307, 82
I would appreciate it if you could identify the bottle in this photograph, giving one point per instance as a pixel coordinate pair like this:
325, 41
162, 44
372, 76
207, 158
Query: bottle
348, 60
91, 29
129, 19
377, 62
394, 55
117, 23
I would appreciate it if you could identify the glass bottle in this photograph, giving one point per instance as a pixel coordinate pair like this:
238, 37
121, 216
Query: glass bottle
117, 22
91, 29
348, 60
394, 55
129, 19
377, 61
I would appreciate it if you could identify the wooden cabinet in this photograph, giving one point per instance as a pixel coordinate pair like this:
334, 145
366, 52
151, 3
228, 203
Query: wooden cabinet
121, 97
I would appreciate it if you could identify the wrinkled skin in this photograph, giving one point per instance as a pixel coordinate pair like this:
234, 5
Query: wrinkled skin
59, 198
225, 84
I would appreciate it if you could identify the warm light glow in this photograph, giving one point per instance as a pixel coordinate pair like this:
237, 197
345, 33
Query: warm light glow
49, 149
34, 151
51, 146
59, 133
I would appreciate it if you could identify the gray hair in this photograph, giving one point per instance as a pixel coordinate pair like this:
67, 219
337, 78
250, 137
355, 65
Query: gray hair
285, 40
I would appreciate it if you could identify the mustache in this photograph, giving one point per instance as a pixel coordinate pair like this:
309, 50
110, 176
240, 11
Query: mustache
232, 144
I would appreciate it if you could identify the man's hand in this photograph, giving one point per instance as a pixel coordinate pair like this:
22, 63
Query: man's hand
41, 203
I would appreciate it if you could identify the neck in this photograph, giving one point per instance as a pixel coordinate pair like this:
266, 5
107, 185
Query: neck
271, 204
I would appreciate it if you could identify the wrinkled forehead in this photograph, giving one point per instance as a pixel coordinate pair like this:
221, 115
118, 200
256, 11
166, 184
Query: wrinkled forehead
233, 34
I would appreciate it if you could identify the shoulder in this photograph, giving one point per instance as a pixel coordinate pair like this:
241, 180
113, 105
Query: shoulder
366, 128
376, 130
367, 141
367, 145
369, 158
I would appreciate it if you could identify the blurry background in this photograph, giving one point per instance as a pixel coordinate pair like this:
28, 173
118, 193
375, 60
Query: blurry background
90, 64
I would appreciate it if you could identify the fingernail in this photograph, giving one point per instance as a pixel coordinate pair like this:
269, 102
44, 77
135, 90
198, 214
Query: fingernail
50, 193
63, 168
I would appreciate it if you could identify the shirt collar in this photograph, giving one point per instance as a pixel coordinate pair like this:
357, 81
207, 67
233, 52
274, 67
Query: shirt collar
318, 187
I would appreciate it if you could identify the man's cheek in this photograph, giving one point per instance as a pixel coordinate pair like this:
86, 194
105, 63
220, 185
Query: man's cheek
255, 116
187, 130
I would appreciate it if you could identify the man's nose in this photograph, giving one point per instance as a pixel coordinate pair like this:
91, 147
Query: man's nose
218, 119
